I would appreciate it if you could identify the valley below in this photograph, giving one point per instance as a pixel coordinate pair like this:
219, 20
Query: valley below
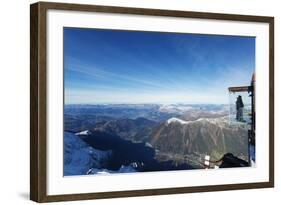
125, 138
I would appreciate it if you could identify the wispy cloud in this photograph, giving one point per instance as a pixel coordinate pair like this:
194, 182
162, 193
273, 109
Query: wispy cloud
103, 74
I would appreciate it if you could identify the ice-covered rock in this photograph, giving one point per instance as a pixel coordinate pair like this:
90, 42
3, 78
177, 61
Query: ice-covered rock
79, 157
123, 169
85, 132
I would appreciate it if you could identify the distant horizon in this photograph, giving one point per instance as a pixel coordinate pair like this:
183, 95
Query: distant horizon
135, 67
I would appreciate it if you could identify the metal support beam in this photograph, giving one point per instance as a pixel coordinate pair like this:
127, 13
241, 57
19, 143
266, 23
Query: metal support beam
239, 89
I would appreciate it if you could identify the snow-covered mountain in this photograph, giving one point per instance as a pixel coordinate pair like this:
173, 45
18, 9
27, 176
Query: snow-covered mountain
123, 169
180, 109
203, 136
79, 157
157, 136
174, 108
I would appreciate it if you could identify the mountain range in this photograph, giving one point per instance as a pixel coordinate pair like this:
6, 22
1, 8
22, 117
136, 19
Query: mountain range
156, 137
204, 136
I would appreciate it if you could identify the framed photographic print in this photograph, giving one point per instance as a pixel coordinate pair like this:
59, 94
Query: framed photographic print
134, 102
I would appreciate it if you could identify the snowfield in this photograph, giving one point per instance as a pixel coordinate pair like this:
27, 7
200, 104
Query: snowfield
85, 132
82, 159
79, 157
177, 120
123, 169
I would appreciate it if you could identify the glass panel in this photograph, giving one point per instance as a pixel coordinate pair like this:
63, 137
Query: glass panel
240, 108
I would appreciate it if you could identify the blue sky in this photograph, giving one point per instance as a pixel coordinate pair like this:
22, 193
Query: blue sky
112, 66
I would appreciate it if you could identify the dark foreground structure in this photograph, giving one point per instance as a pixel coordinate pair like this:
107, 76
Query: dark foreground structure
229, 160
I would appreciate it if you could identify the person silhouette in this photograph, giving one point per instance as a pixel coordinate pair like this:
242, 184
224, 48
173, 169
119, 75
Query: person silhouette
239, 109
